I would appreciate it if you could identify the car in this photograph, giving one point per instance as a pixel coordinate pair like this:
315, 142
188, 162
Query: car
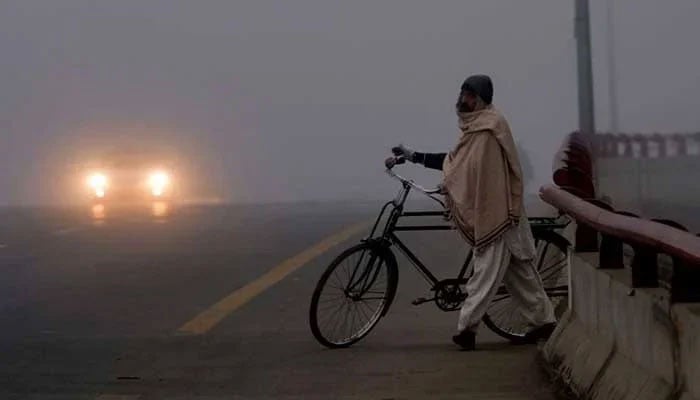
129, 176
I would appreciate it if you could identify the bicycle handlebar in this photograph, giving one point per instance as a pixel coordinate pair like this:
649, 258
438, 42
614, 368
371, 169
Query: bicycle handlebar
405, 181
412, 183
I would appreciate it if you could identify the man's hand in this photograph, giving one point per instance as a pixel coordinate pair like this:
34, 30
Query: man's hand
405, 152
393, 161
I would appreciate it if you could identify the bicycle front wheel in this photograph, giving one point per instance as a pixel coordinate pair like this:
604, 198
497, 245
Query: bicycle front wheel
351, 296
504, 316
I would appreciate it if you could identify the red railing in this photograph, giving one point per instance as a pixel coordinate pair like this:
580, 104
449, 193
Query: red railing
573, 166
601, 228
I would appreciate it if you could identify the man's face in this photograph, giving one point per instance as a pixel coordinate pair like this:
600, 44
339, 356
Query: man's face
466, 102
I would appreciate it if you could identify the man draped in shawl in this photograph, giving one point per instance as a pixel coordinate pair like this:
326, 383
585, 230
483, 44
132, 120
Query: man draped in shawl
483, 186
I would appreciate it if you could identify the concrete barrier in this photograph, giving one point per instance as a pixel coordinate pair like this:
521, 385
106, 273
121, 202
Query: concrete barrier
619, 342
626, 334
686, 318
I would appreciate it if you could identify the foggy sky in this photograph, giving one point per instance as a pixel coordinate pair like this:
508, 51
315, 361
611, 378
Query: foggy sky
294, 100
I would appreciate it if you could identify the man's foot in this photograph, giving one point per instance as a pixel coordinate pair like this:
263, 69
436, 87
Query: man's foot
542, 332
465, 339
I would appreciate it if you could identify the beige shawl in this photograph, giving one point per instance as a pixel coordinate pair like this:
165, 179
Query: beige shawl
483, 181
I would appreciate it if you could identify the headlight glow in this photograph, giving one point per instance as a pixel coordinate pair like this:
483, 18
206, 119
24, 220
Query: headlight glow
98, 184
158, 181
97, 181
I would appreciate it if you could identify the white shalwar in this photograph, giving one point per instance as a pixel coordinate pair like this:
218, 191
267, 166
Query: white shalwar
509, 259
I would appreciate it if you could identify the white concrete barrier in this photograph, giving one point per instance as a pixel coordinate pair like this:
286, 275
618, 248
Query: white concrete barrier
618, 342
686, 318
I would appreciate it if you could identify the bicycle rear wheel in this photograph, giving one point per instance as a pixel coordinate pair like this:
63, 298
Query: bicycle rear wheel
352, 295
503, 315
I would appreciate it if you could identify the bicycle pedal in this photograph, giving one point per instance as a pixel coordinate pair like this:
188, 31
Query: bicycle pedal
420, 301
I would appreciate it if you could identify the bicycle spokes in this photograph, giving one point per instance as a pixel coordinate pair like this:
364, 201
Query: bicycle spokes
506, 316
552, 266
353, 297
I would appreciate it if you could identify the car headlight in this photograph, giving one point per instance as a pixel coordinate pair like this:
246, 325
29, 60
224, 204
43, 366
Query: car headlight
98, 183
158, 181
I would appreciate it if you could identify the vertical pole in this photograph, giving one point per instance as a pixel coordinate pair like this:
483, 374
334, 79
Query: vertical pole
585, 68
612, 68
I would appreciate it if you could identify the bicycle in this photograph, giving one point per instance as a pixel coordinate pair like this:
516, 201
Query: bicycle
371, 269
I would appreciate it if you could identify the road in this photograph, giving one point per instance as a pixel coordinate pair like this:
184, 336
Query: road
147, 303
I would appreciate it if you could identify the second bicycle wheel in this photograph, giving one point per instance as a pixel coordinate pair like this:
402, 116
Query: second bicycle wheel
504, 316
352, 295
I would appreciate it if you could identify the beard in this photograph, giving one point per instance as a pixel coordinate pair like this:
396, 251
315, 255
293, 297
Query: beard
463, 107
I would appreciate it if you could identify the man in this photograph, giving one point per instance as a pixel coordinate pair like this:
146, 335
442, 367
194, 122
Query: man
483, 186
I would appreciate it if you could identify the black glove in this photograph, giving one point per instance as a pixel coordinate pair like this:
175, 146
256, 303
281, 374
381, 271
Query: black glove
405, 152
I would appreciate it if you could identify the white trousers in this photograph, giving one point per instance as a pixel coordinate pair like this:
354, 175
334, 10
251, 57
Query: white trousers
494, 264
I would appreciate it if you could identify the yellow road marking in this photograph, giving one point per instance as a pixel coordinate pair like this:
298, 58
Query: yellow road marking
210, 317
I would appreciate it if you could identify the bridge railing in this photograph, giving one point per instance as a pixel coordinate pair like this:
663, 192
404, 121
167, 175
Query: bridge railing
601, 228
647, 239
647, 145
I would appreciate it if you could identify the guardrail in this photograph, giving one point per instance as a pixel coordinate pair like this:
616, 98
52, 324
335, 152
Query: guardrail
655, 145
647, 238
601, 228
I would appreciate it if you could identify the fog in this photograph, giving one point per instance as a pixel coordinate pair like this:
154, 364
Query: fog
265, 101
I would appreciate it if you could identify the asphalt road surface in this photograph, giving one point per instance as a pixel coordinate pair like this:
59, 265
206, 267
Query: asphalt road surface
205, 302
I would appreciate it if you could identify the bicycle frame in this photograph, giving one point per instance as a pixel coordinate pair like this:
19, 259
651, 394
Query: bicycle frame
397, 212
392, 226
